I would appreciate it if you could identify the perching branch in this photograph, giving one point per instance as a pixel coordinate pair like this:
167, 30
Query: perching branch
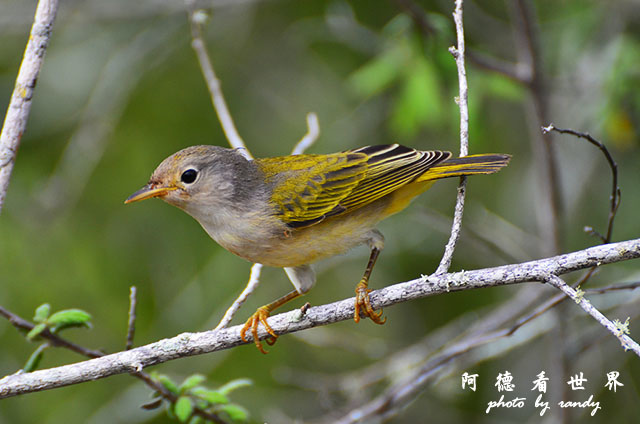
15, 122
189, 344
458, 54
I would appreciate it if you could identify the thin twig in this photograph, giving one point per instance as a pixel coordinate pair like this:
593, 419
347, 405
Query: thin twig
131, 327
458, 54
515, 71
53, 339
254, 280
15, 122
616, 194
626, 341
614, 287
57, 341
190, 344
313, 131
196, 17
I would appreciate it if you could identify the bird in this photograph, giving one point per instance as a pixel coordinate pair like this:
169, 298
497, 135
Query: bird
292, 211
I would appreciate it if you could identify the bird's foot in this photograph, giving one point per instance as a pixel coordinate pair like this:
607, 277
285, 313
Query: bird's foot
363, 303
260, 316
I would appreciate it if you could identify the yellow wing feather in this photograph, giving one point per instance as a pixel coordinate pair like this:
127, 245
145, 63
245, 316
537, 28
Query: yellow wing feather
309, 188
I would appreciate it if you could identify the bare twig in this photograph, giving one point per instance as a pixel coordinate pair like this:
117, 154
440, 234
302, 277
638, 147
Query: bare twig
515, 71
254, 280
131, 326
614, 287
616, 194
189, 344
15, 122
196, 17
313, 131
458, 54
578, 296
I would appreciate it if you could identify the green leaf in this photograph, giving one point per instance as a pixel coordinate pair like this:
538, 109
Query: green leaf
42, 312
379, 73
196, 420
504, 87
236, 412
183, 409
167, 383
36, 330
212, 396
68, 318
34, 359
234, 385
191, 382
419, 102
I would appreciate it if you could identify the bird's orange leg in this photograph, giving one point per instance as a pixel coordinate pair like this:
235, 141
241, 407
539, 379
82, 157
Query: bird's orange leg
260, 316
363, 302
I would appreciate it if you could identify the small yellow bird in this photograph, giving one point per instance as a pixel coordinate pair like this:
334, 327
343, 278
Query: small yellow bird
292, 211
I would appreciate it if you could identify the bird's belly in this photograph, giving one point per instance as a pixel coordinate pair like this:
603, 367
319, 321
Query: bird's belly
281, 246
334, 236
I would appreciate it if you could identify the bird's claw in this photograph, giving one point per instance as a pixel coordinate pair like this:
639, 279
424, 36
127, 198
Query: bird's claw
260, 316
363, 303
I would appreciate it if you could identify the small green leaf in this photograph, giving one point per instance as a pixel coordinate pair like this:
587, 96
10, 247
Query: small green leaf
68, 318
191, 382
183, 409
42, 312
36, 330
212, 396
170, 412
167, 383
34, 359
379, 73
234, 385
505, 88
196, 420
419, 102
236, 412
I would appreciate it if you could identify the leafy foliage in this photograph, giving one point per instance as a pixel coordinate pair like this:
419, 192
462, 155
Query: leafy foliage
192, 396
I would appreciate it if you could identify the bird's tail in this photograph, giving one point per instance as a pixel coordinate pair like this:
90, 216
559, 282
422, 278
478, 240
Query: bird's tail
467, 165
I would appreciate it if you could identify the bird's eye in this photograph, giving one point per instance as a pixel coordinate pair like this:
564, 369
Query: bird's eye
189, 176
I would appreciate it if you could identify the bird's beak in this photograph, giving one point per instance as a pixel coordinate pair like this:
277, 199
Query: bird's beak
148, 192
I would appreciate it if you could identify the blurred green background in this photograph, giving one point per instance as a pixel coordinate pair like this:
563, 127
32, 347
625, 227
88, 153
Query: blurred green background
121, 90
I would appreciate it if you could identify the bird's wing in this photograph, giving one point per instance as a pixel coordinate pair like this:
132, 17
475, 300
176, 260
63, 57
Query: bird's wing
309, 188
